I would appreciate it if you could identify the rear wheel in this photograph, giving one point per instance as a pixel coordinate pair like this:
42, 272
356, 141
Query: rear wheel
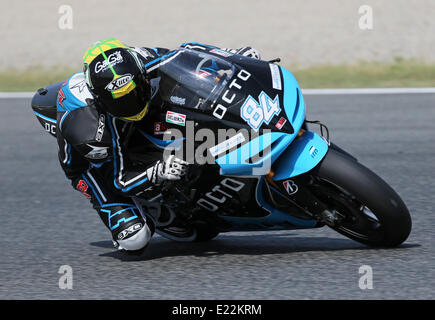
360, 204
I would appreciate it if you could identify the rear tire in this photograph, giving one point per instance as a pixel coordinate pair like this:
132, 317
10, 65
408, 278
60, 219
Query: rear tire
371, 212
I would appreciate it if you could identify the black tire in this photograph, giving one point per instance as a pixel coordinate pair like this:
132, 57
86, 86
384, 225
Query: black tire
350, 188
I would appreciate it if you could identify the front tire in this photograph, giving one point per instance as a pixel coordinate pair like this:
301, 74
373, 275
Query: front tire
369, 210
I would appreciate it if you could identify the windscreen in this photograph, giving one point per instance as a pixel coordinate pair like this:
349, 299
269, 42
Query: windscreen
193, 79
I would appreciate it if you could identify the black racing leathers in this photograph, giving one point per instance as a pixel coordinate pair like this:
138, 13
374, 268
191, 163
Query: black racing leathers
98, 152
94, 152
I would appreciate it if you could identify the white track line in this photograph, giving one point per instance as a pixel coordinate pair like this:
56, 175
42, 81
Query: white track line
15, 95
367, 91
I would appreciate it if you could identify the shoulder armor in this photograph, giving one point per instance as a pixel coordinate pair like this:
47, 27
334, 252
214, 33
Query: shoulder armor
74, 93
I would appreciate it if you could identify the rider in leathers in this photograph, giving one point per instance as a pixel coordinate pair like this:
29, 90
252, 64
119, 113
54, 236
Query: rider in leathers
97, 113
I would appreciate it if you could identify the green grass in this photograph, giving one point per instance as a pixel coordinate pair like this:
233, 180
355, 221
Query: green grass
32, 79
401, 73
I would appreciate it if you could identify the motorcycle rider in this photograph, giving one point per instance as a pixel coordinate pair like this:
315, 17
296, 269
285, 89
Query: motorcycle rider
97, 113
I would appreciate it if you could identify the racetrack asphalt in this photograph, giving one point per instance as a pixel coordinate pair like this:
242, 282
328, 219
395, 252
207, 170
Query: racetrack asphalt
45, 224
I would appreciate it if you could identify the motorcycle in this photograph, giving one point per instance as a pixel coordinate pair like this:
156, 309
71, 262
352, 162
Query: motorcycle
268, 170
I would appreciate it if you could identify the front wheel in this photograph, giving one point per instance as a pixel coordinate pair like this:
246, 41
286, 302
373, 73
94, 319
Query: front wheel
360, 204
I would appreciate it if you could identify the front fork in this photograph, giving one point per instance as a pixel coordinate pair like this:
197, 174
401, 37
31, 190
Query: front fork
294, 190
290, 174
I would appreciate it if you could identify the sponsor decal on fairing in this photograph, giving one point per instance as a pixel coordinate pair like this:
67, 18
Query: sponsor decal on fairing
176, 118
230, 94
178, 100
221, 52
276, 76
290, 187
227, 144
256, 113
281, 122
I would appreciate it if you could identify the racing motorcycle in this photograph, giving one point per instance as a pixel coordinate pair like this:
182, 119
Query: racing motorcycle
269, 170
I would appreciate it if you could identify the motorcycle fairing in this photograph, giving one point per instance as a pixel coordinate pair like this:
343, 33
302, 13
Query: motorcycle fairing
303, 155
252, 157
275, 219
274, 143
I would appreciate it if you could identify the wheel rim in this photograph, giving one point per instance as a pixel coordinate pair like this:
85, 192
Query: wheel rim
356, 219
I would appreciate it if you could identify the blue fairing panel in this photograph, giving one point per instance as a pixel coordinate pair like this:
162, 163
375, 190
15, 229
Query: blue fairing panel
275, 220
294, 104
239, 162
303, 155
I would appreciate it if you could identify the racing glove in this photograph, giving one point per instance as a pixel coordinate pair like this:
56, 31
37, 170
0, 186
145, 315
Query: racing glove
245, 51
249, 52
169, 169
